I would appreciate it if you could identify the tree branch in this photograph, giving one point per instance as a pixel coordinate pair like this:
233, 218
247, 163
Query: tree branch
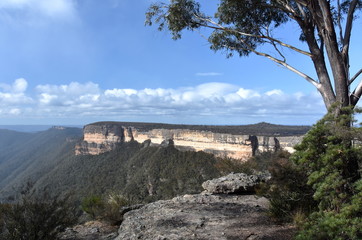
301, 10
348, 29
220, 27
354, 77
286, 65
356, 94
291, 68
276, 47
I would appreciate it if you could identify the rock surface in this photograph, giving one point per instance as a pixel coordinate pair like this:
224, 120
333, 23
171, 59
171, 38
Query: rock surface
236, 183
93, 230
208, 217
103, 137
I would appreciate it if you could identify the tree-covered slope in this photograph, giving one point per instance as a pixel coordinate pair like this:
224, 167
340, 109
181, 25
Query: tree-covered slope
27, 157
138, 172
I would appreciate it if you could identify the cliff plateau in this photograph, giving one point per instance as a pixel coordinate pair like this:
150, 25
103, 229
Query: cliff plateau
104, 136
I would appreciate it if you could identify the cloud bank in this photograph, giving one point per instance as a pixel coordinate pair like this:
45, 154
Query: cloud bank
210, 103
30, 11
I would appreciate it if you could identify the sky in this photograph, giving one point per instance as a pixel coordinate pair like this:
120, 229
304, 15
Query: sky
74, 62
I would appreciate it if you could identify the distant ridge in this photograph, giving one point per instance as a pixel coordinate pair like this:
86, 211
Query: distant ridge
32, 128
261, 129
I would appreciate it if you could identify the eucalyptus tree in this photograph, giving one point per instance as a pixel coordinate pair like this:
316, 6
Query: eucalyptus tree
244, 26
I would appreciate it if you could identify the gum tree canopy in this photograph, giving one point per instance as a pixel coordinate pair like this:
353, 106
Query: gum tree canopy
242, 26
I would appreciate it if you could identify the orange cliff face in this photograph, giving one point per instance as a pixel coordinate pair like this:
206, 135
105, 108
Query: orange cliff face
103, 137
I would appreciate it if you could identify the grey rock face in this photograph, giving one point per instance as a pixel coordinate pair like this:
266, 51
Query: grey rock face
208, 217
236, 183
94, 230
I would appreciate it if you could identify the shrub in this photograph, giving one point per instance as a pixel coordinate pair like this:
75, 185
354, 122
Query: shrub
36, 218
113, 206
93, 205
106, 208
333, 164
290, 196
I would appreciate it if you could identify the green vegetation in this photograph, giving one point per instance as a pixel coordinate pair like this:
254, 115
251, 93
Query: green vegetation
291, 198
93, 205
320, 186
26, 156
106, 208
260, 129
331, 154
141, 174
36, 217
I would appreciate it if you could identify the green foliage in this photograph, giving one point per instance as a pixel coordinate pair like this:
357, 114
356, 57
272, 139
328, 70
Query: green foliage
107, 207
113, 205
332, 160
227, 165
35, 218
141, 174
251, 17
290, 196
93, 205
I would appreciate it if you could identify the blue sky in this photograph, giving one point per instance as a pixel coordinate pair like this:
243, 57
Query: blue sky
80, 61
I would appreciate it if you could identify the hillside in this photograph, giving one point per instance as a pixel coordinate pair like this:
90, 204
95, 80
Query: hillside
141, 173
28, 156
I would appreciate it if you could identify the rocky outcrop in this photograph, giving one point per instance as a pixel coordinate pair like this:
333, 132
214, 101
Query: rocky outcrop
208, 216
236, 183
102, 137
211, 217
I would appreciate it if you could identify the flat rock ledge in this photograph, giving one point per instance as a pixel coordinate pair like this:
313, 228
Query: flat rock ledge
204, 217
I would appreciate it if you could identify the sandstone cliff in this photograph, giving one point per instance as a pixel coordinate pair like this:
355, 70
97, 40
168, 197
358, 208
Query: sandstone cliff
104, 136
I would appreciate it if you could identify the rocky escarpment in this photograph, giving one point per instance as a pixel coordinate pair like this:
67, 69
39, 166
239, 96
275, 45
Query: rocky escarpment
102, 137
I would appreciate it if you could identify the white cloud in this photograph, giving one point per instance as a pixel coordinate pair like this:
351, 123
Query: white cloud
20, 85
14, 94
206, 102
274, 92
247, 93
30, 10
15, 111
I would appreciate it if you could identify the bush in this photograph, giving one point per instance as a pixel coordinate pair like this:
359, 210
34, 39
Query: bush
106, 208
36, 218
290, 196
333, 164
93, 205
113, 206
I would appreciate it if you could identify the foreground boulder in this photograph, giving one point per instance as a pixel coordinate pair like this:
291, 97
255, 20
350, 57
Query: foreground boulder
235, 183
200, 216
